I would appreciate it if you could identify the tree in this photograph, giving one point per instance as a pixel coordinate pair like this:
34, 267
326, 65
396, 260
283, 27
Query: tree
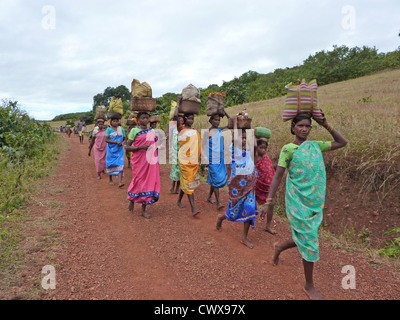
103, 99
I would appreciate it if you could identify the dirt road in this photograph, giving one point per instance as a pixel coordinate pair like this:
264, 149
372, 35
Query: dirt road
107, 252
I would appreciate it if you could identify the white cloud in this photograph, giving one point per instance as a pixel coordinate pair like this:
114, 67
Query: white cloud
169, 44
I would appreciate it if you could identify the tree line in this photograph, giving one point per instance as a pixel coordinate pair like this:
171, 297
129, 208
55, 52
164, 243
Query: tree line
326, 66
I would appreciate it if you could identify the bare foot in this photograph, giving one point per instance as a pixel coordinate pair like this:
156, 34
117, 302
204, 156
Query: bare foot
275, 259
220, 206
111, 183
219, 222
247, 243
131, 206
98, 177
176, 191
270, 230
210, 200
121, 185
180, 205
146, 214
195, 212
312, 293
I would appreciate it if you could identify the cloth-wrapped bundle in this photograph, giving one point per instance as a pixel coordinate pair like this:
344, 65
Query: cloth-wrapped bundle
302, 98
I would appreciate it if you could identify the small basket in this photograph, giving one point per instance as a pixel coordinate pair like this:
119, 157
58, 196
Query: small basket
130, 123
155, 118
242, 123
189, 106
143, 104
113, 115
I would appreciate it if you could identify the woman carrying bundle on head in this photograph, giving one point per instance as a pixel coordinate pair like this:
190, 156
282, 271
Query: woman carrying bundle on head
217, 172
131, 123
145, 185
174, 147
99, 146
305, 192
189, 160
115, 137
265, 170
242, 206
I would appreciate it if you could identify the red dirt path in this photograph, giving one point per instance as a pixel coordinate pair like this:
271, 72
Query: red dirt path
107, 252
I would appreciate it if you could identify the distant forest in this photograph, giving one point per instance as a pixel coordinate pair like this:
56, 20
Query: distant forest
339, 64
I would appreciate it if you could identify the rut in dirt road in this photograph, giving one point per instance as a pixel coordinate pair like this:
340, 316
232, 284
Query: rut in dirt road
110, 253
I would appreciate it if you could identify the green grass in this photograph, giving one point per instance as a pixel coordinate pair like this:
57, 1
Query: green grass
365, 110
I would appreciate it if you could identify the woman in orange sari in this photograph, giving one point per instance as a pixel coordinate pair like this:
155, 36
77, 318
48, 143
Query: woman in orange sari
189, 160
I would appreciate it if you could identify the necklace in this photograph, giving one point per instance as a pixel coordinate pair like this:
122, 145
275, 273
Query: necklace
299, 141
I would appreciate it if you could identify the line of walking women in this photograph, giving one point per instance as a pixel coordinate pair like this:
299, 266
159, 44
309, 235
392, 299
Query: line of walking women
250, 182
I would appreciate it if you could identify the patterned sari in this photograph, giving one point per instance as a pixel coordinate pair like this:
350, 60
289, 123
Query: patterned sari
305, 197
115, 153
217, 172
145, 185
175, 172
242, 205
100, 151
189, 159
266, 172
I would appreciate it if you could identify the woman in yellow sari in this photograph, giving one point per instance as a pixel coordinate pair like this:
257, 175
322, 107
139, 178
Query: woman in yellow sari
189, 160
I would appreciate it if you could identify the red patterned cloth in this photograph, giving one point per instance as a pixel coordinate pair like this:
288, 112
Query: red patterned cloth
266, 172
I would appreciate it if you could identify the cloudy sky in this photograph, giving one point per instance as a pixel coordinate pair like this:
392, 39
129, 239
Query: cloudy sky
55, 55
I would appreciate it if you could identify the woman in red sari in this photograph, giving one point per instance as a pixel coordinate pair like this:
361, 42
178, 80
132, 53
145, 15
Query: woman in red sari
266, 172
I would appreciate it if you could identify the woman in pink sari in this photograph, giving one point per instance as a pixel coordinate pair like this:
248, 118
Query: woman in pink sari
99, 145
145, 185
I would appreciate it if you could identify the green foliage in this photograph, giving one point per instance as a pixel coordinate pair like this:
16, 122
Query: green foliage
20, 136
72, 118
393, 248
103, 99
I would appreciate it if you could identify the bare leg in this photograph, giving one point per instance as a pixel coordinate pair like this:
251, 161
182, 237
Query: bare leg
210, 195
180, 205
144, 212
120, 183
111, 180
172, 187
191, 200
221, 218
178, 184
131, 205
219, 204
246, 227
282, 247
268, 225
309, 289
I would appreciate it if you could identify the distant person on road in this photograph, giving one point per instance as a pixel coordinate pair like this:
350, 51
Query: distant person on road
145, 186
79, 126
305, 192
115, 137
99, 145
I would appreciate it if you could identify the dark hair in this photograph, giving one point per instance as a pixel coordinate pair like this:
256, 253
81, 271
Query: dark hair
187, 115
142, 113
298, 118
261, 142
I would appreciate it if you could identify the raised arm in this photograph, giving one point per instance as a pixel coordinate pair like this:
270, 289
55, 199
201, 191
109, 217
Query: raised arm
339, 140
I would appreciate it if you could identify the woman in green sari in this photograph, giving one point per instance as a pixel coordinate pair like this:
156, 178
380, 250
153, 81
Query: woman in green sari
305, 193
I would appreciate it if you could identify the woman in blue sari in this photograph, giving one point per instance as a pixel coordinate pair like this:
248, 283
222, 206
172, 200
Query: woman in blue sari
305, 193
115, 138
217, 172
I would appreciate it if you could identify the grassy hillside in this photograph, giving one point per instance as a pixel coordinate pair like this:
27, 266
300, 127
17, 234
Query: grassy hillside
365, 110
